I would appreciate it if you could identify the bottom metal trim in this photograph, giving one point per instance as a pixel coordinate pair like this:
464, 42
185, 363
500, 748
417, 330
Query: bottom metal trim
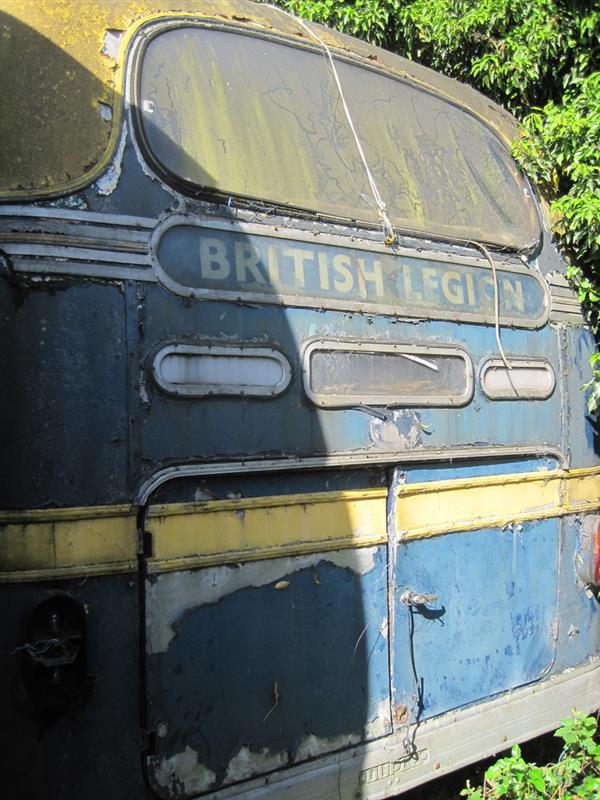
382, 769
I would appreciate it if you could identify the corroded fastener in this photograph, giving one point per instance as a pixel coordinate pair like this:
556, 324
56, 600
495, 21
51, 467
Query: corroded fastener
412, 598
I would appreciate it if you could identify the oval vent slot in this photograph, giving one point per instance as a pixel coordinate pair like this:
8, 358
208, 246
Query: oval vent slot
203, 370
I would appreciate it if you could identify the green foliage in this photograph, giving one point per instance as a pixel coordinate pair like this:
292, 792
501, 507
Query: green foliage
538, 58
593, 385
575, 776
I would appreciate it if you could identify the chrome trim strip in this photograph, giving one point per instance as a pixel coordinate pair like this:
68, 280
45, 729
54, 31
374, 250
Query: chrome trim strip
84, 269
81, 254
47, 241
564, 302
352, 459
45, 212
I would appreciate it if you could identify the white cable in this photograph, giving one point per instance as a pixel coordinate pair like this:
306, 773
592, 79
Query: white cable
486, 253
388, 228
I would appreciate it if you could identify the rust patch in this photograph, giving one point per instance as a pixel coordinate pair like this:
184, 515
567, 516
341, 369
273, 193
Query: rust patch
400, 714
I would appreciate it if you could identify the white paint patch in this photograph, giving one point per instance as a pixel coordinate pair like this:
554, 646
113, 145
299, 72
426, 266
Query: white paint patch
312, 746
383, 629
105, 111
171, 594
107, 183
183, 771
400, 429
73, 201
381, 723
246, 764
112, 43
162, 729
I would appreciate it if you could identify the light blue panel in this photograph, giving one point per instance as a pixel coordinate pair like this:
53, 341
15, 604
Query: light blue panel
582, 439
480, 422
492, 628
579, 613
479, 468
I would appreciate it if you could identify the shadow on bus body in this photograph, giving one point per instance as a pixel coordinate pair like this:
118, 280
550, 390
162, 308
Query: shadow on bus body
225, 670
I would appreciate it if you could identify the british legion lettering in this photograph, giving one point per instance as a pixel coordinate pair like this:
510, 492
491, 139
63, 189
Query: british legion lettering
264, 266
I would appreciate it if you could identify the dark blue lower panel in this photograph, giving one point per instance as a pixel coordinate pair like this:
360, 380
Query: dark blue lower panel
79, 738
290, 661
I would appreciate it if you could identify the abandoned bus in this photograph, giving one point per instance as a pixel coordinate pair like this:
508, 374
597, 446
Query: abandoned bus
299, 495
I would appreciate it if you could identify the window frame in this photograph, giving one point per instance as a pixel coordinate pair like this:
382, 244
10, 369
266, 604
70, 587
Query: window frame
200, 391
518, 363
419, 349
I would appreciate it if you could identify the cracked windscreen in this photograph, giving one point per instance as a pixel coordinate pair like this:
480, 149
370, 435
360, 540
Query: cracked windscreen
265, 121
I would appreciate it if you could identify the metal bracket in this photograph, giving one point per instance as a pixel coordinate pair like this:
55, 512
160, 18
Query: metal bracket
412, 598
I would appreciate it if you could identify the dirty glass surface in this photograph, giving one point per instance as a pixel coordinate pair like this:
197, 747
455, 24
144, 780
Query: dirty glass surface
250, 117
340, 377
525, 380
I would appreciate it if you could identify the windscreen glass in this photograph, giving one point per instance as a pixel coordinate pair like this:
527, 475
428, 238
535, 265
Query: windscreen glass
248, 117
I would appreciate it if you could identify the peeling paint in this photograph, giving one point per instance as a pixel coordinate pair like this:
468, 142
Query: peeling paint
183, 775
107, 183
162, 729
380, 724
312, 746
105, 111
401, 429
248, 763
73, 201
112, 43
171, 594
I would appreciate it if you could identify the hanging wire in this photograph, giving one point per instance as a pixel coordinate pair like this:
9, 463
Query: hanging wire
388, 229
483, 249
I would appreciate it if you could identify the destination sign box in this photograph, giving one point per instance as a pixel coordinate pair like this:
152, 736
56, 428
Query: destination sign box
234, 264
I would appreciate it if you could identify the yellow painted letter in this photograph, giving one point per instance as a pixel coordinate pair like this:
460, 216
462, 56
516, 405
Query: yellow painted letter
513, 295
299, 256
213, 260
452, 288
341, 265
246, 261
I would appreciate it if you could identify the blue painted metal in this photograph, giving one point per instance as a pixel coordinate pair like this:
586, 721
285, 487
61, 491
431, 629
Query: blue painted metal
174, 428
491, 629
578, 618
78, 390
320, 639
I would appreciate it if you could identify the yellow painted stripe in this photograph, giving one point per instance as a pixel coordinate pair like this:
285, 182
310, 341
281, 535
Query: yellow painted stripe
218, 532
431, 509
69, 542
222, 532
54, 543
